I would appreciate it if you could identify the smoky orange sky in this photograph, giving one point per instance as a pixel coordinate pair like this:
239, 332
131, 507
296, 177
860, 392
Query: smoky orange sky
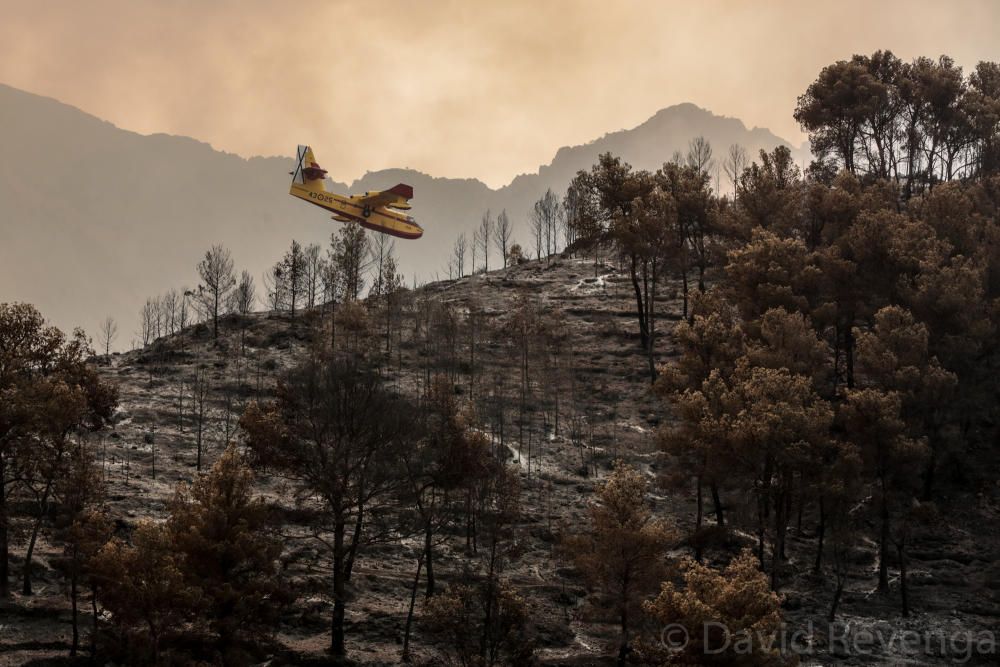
462, 89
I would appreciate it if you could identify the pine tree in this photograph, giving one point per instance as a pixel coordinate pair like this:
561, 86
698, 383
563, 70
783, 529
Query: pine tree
464, 613
717, 610
141, 585
350, 251
228, 556
334, 431
83, 527
622, 554
218, 281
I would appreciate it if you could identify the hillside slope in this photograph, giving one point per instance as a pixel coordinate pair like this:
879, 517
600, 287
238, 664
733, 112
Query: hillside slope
607, 412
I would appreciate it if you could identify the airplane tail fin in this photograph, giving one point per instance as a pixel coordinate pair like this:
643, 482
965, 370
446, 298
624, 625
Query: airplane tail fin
307, 172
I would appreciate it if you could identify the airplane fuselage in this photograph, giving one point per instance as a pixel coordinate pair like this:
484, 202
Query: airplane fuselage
380, 218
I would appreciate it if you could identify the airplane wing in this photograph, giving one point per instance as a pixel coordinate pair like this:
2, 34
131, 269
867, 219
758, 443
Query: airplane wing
397, 196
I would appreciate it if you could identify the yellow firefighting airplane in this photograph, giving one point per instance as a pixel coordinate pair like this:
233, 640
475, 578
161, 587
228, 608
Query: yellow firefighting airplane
378, 211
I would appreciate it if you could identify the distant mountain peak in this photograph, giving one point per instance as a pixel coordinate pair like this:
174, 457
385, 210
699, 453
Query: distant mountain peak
682, 108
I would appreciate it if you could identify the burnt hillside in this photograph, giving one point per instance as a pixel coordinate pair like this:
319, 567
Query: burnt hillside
561, 410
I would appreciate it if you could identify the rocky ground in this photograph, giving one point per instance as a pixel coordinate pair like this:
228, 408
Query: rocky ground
954, 572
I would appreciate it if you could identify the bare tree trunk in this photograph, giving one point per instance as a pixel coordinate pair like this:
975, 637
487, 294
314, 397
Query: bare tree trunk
333, 324
42, 511
798, 518
339, 591
488, 602
760, 532
883, 547
643, 326
623, 649
180, 407
717, 502
352, 551
901, 551
73, 599
4, 533
94, 618
429, 557
698, 516
198, 463
849, 354
820, 534
836, 356
409, 613
698, 519
780, 521
838, 567
786, 517
651, 324
684, 289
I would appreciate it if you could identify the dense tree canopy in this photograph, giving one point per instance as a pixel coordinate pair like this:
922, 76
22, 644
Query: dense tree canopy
918, 123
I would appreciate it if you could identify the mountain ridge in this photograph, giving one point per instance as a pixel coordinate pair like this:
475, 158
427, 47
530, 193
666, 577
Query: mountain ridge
87, 207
